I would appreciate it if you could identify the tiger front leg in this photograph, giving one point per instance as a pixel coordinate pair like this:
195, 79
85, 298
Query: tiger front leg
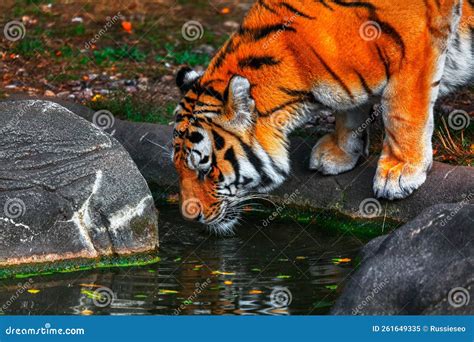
407, 153
339, 151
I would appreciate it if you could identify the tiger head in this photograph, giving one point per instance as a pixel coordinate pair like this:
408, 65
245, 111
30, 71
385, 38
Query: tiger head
218, 163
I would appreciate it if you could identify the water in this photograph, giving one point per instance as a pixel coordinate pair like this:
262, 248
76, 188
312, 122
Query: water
284, 269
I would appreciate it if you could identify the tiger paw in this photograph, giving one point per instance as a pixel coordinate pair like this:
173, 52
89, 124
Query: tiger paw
398, 181
329, 159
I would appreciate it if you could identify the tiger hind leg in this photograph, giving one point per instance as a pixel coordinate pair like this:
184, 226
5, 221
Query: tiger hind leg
339, 151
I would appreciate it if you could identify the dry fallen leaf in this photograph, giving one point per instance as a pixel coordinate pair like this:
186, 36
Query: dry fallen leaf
127, 26
222, 273
90, 285
255, 292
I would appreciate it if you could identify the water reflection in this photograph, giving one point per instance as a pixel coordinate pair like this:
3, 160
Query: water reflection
200, 274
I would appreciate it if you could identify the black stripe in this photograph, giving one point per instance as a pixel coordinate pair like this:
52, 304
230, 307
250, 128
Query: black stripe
188, 99
390, 30
265, 31
333, 74
222, 54
251, 156
200, 90
214, 93
364, 84
206, 111
267, 7
186, 106
323, 2
295, 11
203, 104
219, 141
195, 137
302, 94
257, 164
280, 107
254, 62
385, 27
362, 4
384, 61
229, 155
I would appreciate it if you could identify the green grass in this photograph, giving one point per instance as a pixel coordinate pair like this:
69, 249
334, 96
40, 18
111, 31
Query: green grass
130, 108
117, 54
186, 57
29, 47
453, 146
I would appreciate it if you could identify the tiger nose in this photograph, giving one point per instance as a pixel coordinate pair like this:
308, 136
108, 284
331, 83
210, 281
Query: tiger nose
191, 209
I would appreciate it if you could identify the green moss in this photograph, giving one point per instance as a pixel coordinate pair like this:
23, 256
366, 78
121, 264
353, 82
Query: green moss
34, 270
131, 108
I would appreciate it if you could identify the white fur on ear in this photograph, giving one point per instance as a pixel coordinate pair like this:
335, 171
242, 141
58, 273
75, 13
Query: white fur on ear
191, 76
186, 78
240, 101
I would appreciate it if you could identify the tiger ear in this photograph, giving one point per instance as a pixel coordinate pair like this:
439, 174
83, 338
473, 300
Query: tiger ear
240, 102
186, 78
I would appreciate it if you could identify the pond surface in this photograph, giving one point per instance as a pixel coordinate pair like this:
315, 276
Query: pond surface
289, 268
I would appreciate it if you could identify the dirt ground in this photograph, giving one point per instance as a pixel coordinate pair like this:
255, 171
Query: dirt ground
123, 55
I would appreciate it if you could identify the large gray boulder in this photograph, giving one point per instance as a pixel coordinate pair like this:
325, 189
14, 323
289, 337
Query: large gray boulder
425, 267
67, 189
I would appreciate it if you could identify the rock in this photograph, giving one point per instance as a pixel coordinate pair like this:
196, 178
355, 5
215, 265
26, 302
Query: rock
232, 24
167, 78
63, 94
425, 267
205, 49
69, 190
49, 93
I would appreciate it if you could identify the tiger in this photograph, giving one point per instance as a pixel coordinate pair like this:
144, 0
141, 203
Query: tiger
291, 59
